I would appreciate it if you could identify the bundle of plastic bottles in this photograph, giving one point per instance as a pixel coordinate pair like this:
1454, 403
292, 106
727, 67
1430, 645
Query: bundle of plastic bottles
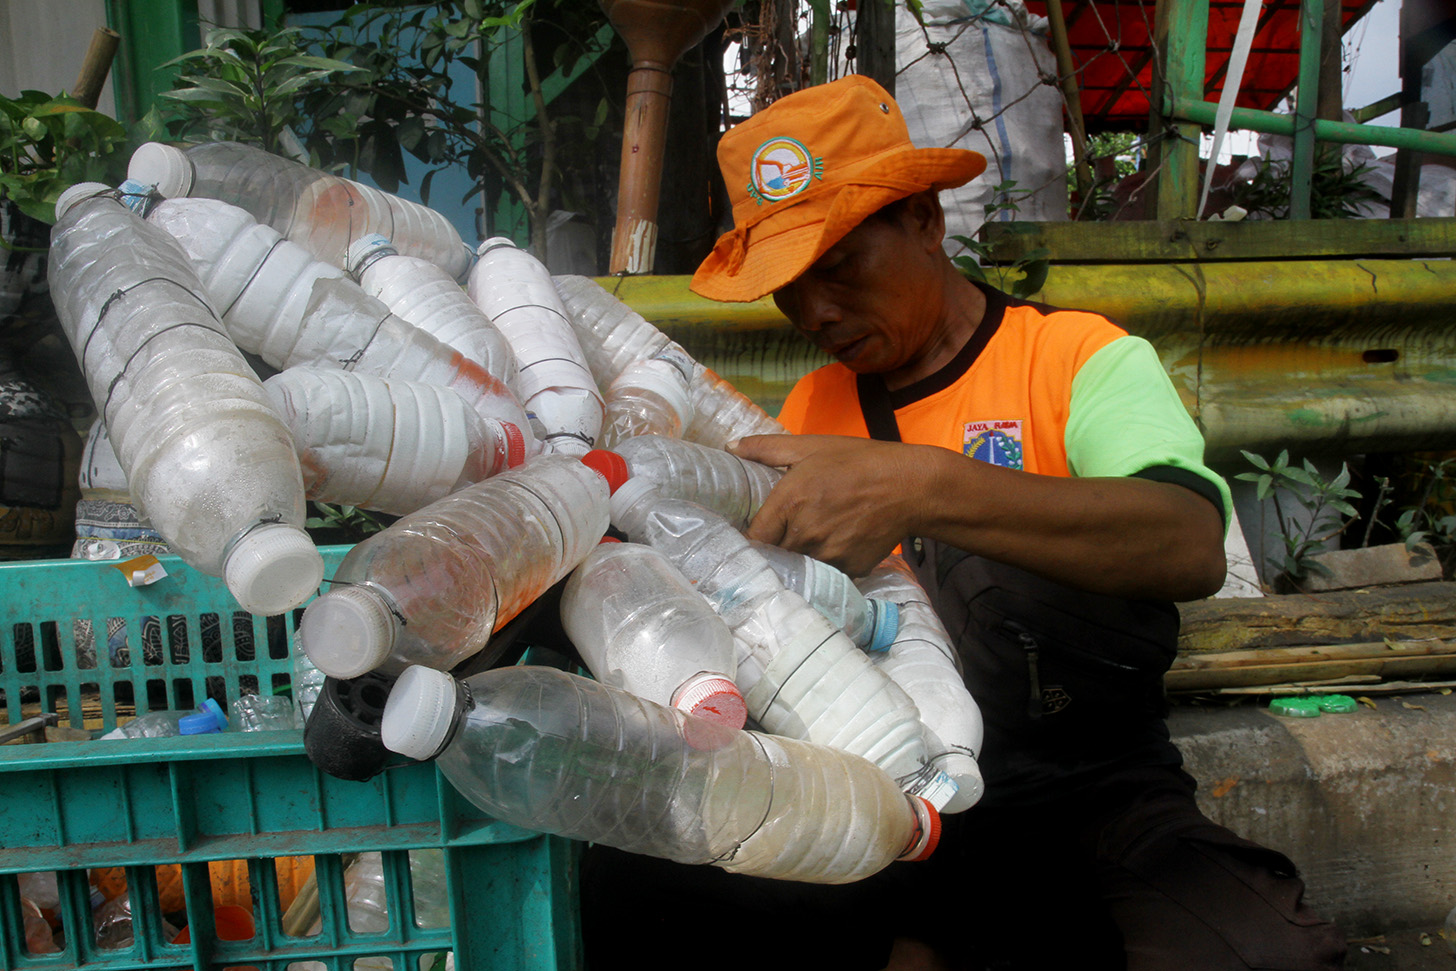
257, 333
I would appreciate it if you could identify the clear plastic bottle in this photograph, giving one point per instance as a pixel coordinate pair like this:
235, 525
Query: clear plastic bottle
285, 305
387, 444
515, 291
323, 213
870, 622
732, 487
432, 587
207, 460
648, 398
640, 626
723, 414
561, 754
923, 662
262, 713
307, 682
205, 719
432, 300
800, 675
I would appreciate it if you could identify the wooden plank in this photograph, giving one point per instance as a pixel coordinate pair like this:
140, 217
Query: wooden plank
1175, 241
1321, 652
1384, 667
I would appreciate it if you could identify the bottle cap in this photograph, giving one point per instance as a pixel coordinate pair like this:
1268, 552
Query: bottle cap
495, 242
608, 539
927, 835
1336, 704
138, 197
515, 444
347, 631
609, 465
207, 719
77, 192
167, 168
966, 774
1295, 707
714, 697
273, 568
365, 250
628, 495
885, 622
420, 713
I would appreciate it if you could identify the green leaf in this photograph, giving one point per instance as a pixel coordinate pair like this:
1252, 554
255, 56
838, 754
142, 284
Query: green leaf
1254, 459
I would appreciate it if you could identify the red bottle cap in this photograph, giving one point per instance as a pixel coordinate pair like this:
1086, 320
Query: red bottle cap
515, 445
716, 699
609, 465
927, 836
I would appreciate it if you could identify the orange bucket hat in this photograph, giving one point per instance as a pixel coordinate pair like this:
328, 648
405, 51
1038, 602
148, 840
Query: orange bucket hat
808, 169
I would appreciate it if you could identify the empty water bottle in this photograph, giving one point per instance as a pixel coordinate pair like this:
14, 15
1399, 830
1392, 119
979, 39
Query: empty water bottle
391, 445
732, 487
428, 297
639, 625
205, 719
432, 587
870, 622
558, 753
800, 675
307, 682
515, 291
323, 213
207, 459
262, 713
648, 398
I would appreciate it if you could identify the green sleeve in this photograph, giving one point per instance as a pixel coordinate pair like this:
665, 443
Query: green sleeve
1126, 419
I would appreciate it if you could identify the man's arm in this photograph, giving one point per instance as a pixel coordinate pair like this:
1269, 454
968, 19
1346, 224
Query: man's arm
849, 501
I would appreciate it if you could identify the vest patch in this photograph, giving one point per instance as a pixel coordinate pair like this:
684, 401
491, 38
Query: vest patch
996, 442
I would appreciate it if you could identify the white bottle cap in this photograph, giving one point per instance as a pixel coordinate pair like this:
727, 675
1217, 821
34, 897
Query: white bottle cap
495, 242
714, 697
628, 495
964, 772
273, 568
162, 166
365, 250
348, 631
77, 192
419, 713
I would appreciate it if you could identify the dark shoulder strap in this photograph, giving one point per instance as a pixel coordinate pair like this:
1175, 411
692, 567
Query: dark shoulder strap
874, 404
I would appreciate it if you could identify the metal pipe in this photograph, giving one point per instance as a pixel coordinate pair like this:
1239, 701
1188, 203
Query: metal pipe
1274, 123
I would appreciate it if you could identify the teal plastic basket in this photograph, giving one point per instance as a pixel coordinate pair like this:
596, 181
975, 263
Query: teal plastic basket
74, 629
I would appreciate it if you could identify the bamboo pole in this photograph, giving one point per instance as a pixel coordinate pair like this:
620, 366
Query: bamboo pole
96, 66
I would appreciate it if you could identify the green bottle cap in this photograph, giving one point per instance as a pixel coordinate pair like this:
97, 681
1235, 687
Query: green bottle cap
1336, 704
1295, 707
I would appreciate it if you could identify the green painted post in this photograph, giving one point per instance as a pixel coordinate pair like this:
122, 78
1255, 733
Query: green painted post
819, 40
152, 33
1180, 39
1301, 167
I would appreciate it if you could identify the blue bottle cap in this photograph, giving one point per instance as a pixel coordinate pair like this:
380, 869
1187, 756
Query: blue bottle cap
886, 614
207, 719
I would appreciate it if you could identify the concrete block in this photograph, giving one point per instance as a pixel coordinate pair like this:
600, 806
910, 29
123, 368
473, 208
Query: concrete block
1364, 803
1373, 566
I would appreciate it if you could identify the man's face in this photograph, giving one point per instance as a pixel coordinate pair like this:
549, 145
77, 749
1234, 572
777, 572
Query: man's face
872, 300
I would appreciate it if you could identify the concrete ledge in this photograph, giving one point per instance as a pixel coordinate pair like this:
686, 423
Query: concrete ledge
1364, 803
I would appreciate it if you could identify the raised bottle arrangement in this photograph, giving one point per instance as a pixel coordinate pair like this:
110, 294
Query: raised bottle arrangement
649, 398
207, 460
432, 587
428, 297
639, 625
614, 336
732, 487
922, 661
870, 622
556, 386
291, 309
384, 444
557, 753
321, 212
801, 677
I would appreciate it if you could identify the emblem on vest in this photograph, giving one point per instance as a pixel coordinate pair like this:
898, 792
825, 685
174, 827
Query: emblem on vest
1054, 698
995, 442
780, 169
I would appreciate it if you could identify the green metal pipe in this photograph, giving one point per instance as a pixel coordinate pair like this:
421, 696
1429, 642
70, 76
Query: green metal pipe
1301, 166
1274, 123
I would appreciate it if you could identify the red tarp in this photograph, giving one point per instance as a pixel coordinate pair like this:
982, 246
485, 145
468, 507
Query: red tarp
1110, 41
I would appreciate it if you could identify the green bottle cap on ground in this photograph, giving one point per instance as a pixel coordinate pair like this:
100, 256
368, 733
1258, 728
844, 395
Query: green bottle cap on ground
1295, 707
1336, 704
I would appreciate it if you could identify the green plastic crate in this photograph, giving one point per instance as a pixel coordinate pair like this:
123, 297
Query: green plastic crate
71, 806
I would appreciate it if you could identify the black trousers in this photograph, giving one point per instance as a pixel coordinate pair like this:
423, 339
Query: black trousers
1131, 876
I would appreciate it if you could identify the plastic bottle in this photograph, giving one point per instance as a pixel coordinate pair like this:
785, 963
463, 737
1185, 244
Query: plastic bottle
207, 460
432, 587
307, 682
732, 487
387, 444
323, 213
648, 398
283, 304
205, 719
558, 753
515, 291
870, 623
639, 625
801, 677
614, 336
262, 713
923, 662
432, 300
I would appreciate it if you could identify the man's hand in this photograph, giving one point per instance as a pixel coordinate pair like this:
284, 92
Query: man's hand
845, 501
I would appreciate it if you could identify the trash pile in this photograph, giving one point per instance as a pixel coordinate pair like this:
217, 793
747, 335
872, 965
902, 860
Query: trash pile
257, 333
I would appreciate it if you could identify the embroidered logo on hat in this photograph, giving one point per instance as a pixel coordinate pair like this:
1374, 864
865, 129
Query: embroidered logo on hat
780, 169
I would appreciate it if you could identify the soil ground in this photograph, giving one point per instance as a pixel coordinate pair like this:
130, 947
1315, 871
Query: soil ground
1402, 950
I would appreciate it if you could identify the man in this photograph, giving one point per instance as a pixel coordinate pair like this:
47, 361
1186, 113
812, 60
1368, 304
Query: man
1038, 470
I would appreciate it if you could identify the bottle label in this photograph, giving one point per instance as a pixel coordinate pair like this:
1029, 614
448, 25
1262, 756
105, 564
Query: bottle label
141, 571
935, 788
